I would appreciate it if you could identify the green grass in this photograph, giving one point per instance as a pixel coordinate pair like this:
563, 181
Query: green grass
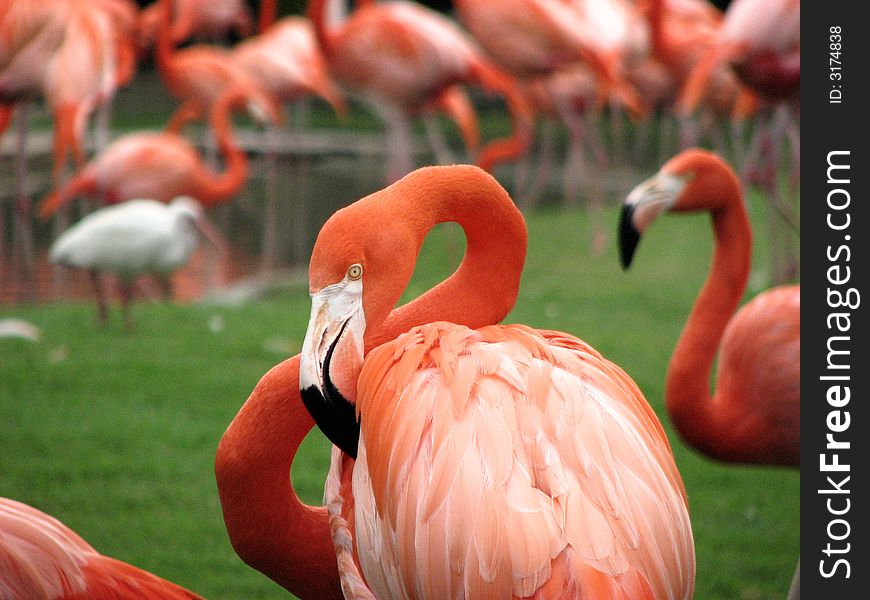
115, 433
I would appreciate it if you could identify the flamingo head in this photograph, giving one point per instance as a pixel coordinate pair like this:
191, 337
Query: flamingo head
691, 181
358, 270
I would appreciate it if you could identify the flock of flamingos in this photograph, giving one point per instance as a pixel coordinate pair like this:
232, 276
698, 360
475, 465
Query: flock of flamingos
471, 459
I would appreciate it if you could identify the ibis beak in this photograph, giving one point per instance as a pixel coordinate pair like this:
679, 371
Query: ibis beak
331, 359
209, 232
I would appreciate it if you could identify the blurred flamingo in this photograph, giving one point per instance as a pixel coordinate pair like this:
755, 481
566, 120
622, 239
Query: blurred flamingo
43, 558
134, 238
73, 53
472, 442
754, 415
530, 38
285, 60
211, 20
760, 41
683, 31
198, 75
404, 59
163, 165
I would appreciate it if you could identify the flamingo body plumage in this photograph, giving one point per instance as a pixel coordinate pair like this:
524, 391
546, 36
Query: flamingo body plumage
43, 559
476, 479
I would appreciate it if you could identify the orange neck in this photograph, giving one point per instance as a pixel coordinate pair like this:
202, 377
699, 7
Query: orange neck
687, 392
317, 12
270, 528
165, 47
522, 117
268, 12
219, 186
483, 289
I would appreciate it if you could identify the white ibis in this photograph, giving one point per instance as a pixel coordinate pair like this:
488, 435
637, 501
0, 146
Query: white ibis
134, 238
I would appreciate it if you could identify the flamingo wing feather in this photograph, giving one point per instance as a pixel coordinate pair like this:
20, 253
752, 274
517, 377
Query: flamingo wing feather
484, 481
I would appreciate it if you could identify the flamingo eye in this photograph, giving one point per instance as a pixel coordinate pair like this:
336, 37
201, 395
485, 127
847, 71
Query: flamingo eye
354, 272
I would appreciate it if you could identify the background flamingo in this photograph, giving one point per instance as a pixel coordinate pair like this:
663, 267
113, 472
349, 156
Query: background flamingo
198, 75
402, 58
162, 165
547, 473
43, 558
286, 61
137, 237
754, 414
72, 53
212, 20
760, 42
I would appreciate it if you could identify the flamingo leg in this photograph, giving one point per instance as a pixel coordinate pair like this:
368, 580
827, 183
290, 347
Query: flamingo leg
23, 236
535, 185
443, 155
399, 140
270, 225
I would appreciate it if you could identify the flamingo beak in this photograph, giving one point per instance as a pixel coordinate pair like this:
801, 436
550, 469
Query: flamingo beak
644, 203
331, 359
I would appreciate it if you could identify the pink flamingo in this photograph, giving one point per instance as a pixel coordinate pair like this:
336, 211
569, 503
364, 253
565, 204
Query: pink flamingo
760, 41
547, 473
209, 19
163, 165
754, 414
43, 558
403, 59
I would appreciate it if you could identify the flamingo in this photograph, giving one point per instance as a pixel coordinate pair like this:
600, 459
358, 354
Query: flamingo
760, 41
163, 165
73, 55
530, 38
404, 58
753, 417
131, 239
198, 75
683, 32
489, 461
44, 559
209, 19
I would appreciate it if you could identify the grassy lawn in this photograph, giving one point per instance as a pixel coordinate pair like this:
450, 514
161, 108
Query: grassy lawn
115, 433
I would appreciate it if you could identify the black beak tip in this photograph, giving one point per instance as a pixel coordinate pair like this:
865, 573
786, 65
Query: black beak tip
629, 236
335, 416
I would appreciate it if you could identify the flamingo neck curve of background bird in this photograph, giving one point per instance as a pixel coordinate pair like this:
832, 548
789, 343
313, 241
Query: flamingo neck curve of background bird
270, 528
208, 186
713, 424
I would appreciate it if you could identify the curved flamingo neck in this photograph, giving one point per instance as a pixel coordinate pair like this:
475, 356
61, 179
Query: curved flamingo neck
321, 12
219, 186
687, 393
483, 289
268, 13
655, 13
165, 47
270, 528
